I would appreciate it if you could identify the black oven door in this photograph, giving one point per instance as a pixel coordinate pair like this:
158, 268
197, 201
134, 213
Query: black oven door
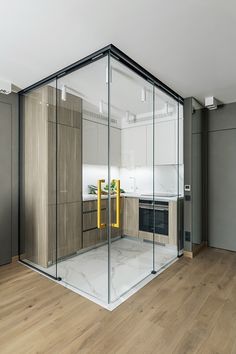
151, 214
161, 221
146, 218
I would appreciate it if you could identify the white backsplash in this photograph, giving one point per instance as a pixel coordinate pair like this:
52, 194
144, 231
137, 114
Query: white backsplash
91, 174
139, 179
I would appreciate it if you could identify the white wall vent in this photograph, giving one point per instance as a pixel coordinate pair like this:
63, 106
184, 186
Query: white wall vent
211, 102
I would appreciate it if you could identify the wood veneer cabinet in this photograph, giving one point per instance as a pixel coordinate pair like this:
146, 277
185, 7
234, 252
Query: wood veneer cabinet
91, 234
131, 217
51, 157
35, 213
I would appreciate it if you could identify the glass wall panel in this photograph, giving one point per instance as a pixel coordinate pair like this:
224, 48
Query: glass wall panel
131, 170
82, 163
167, 163
38, 178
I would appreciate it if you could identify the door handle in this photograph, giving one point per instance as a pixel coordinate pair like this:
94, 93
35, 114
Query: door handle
100, 225
117, 223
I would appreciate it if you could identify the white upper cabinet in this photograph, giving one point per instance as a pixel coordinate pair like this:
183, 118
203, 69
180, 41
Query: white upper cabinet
90, 142
166, 143
115, 146
115, 157
133, 147
102, 148
95, 144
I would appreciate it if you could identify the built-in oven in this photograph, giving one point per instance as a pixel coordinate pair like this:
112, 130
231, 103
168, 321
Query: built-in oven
154, 216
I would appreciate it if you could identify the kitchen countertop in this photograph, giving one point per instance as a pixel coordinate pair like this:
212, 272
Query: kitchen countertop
88, 197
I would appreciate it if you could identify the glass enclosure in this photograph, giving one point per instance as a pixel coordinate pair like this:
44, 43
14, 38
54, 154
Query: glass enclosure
101, 177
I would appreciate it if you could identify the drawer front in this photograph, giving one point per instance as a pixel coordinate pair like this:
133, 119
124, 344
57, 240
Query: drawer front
90, 219
91, 205
93, 237
90, 238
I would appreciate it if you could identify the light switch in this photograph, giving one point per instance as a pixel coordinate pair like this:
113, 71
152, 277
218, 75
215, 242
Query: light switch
187, 188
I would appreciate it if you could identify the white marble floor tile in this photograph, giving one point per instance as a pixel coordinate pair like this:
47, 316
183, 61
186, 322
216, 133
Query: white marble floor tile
131, 264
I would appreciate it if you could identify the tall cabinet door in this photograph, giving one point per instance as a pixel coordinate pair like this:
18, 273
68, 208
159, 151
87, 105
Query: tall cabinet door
69, 182
38, 178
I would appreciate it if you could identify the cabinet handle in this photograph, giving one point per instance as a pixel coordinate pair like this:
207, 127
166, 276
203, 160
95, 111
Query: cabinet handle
100, 225
117, 223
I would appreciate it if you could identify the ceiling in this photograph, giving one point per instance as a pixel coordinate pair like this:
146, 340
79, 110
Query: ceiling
188, 44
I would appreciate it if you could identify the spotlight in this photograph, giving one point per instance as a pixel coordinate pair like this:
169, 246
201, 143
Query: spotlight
63, 93
101, 107
143, 95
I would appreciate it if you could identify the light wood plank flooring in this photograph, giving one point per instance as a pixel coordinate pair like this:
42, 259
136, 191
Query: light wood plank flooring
190, 308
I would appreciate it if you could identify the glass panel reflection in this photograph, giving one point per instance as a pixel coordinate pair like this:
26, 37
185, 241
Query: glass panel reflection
131, 162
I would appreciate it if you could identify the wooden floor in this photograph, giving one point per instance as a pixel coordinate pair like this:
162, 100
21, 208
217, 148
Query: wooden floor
190, 308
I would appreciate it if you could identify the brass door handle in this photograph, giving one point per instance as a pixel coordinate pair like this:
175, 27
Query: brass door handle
117, 223
100, 225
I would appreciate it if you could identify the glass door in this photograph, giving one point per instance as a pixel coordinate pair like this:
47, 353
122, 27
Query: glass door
167, 162
82, 209
131, 179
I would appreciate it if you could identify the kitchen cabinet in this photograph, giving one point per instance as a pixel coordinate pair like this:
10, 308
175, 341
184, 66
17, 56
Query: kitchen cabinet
51, 162
137, 144
90, 238
102, 147
90, 142
91, 234
131, 217
69, 164
95, 144
115, 153
69, 179
69, 229
165, 143
133, 147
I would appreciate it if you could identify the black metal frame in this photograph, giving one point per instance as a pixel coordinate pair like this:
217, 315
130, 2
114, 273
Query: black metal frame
110, 51
117, 54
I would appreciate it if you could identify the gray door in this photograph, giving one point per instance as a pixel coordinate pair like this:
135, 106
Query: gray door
5, 183
222, 189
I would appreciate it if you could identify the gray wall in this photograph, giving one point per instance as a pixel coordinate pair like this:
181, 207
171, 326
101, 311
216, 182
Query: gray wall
195, 148
187, 173
8, 177
222, 177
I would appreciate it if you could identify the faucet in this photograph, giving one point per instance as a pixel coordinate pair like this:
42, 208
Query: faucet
133, 185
